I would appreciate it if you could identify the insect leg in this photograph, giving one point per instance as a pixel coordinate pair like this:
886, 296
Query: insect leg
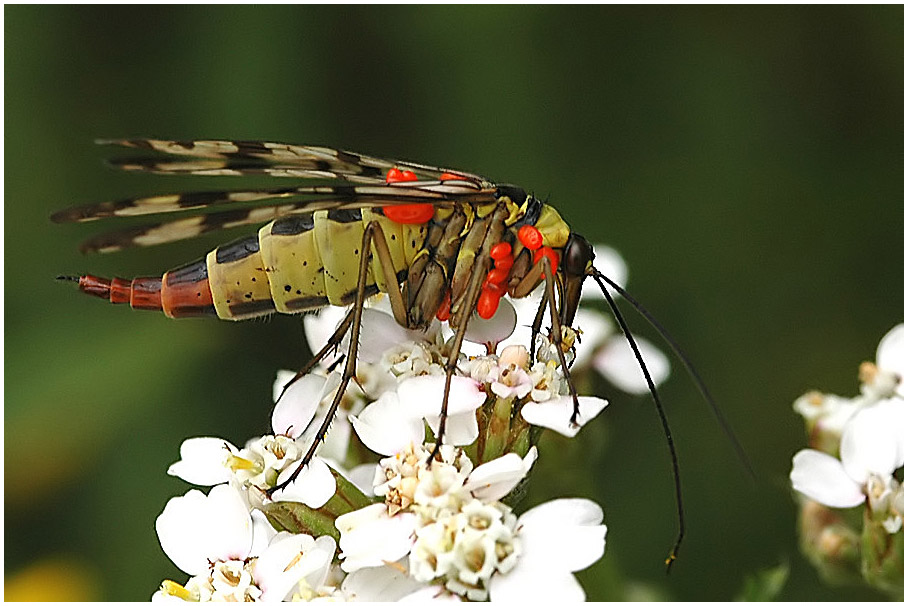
556, 336
470, 299
350, 365
386, 264
397, 307
333, 341
534, 329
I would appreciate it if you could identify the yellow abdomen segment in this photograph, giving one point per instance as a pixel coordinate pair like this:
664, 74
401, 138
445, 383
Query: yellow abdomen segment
238, 280
339, 236
306, 262
294, 264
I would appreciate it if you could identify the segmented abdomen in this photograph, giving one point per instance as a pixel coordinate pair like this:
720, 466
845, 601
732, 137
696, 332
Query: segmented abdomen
306, 262
293, 264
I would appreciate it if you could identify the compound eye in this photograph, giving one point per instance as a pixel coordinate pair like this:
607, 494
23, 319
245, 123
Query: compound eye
578, 255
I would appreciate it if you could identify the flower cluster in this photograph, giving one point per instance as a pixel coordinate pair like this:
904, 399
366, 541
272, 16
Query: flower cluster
381, 513
444, 523
857, 451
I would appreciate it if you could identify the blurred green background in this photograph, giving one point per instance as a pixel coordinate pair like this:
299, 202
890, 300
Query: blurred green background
747, 163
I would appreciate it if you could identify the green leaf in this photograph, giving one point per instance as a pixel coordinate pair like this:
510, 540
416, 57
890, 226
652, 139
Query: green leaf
300, 519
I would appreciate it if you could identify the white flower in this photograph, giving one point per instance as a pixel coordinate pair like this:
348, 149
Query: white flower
411, 359
445, 518
556, 413
294, 411
204, 461
890, 353
232, 554
196, 529
611, 264
494, 480
388, 425
885, 378
289, 560
377, 330
318, 328
830, 412
873, 446
512, 381
407, 478
615, 360
496, 329
389, 583
313, 487
557, 539
370, 537
268, 460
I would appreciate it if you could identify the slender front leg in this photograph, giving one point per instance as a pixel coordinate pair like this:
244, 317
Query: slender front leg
556, 336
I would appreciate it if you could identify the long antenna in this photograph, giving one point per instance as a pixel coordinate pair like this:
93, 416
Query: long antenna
688, 365
676, 470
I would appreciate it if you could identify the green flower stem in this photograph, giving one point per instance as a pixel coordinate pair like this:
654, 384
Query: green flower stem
882, 556
497, 430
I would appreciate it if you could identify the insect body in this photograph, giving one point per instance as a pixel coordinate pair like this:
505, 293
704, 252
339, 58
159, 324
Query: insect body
308, 258
441, 242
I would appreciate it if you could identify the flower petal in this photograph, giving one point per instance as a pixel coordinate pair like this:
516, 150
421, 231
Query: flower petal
873, 441
319, 327
288, 559
379, 332
195, 529
497, 328
564, 534
595, 328
528, 584
297, 407
230, 524
202, 461
460, 429
386, 427
891, 352
525, 311
369, 537
617, 363
822, 478
556, 413
262, 532
611, 264
313, 487
379, 584
494, 480
422, 396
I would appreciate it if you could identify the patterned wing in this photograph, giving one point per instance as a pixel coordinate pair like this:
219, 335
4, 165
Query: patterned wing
409, 192
205, 157
364, 186
180, 226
